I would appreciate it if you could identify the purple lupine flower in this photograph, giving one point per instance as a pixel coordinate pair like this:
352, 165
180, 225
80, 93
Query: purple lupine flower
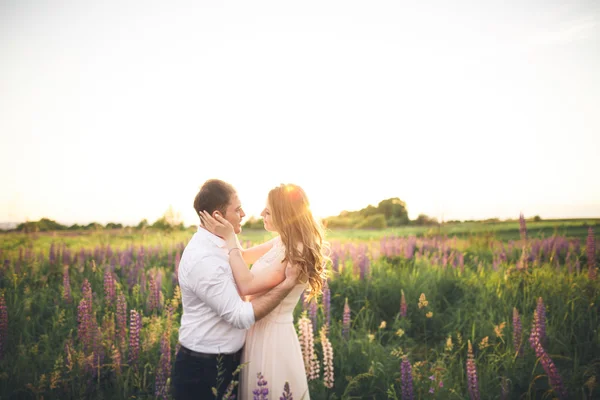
541, 313
403, 305
3, 326
177, 261
97, 349
517, 332
153, 295
261, 392
548, 365
109, 288
472, 374
346, 320
326, 302
86, 289
591, 254
287, 394
52, 255
135, 326
84, 319
407, 379
67, 286
164, 368
335, 259
121, 321
312, 314
522, 227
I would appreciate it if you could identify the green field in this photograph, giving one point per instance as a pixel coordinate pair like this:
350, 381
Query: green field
472, 275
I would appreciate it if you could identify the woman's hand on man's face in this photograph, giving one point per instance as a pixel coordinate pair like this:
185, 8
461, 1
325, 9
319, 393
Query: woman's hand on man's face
218, 225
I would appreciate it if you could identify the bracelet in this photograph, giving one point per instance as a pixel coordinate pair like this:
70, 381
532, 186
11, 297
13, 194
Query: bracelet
232, 249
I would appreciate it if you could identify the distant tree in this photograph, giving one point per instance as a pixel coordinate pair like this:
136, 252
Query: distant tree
537, 218
423, 220
376, 221
143, 224
43, 225
394, 211
112, 225
93, 226
170, 220
253, 223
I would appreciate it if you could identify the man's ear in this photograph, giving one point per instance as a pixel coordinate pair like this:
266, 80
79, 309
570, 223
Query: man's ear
217, 212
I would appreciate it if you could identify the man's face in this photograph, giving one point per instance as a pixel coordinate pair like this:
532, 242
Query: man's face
234, 213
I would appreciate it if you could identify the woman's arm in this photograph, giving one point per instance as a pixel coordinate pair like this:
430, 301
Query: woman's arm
248, 283
252, 254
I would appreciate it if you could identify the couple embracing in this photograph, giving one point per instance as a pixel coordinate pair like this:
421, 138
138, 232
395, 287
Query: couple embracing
233, 314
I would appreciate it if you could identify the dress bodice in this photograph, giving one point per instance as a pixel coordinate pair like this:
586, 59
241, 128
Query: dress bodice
283, 313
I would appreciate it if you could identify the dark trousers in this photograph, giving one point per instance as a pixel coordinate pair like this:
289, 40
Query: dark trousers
196, 374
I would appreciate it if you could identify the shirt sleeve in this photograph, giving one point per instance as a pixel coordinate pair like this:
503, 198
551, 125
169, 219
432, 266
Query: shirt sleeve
219, 292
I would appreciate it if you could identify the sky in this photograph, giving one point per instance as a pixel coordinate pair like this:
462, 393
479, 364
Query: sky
114, 111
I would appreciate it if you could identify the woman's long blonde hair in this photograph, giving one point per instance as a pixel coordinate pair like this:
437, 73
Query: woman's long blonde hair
301, 234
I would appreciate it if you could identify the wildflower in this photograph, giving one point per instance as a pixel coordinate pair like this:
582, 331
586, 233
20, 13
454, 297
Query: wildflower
326, 302
472, 374
346, 320
522, 227
312, 314
423, 301
261, 392
400, 332
432, 378
66, 286
517, 333
498, 329
109, 287
3, 326
591, 254
327, 358
549, 366
382, 325
449, 344
121, 321
135, 326
164, 368
371, 337
286, 395
429, 314
431, 390
541, 325
484, 343
403, 305
407, 380
307, 346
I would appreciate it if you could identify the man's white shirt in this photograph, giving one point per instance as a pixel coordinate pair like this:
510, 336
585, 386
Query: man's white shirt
215, 318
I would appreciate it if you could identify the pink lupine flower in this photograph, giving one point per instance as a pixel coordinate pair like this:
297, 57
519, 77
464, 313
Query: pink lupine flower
346, 320
517, 332
548, 365
326, 302
3, 326
591, 254
328, 378
164, 368
541, 324
307, 345
121, 321
109, 287
67, 286
403, 305
84, 320
135, 326
472, 374
153, 296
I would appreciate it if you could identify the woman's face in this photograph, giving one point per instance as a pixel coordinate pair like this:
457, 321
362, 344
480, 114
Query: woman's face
267, 218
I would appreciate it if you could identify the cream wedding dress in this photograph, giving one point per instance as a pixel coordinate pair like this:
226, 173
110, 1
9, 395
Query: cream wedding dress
272, 347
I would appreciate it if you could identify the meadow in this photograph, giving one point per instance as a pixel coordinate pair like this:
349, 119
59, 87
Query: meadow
471, 310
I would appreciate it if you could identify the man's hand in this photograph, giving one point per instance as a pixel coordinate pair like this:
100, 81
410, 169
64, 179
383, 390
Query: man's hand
291, 276
219, 226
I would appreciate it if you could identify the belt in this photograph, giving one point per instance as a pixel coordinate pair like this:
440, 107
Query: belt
211, 356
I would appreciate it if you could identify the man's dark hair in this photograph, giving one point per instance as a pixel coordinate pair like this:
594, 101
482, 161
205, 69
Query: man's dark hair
214, 194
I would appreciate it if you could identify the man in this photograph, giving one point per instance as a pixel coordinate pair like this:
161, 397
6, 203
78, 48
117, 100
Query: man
215, 318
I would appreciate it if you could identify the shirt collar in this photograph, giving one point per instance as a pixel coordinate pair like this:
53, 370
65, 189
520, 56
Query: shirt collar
212, 237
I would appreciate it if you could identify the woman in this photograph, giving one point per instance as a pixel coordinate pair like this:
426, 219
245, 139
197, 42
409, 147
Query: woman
272, 347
